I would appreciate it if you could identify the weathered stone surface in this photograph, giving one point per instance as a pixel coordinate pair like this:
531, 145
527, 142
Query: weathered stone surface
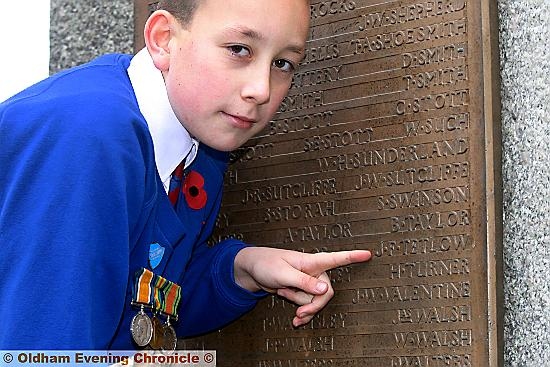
82, 30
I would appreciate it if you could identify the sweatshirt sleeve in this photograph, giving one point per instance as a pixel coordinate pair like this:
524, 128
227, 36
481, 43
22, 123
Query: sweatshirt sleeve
67, 206
211, 298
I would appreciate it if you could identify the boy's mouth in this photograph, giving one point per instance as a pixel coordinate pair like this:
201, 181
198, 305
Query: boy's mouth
242, 122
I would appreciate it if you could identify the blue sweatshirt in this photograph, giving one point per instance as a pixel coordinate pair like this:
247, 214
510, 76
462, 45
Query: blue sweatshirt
80, 204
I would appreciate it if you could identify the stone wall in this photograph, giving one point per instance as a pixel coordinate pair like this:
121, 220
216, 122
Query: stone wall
525, 86
81, 30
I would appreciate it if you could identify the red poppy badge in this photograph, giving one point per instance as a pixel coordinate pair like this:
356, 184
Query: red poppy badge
193, 190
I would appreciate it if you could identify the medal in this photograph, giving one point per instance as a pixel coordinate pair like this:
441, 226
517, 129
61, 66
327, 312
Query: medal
158, 333
167, 298
170, 339
141, 328
163, 296
172, 297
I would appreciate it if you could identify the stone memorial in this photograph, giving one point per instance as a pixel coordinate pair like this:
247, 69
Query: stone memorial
385, 142
389, 140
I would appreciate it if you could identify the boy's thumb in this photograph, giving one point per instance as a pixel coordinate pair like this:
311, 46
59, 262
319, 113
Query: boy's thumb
321, 287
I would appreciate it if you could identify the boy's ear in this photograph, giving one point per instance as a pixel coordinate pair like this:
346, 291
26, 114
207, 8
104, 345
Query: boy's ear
157, 34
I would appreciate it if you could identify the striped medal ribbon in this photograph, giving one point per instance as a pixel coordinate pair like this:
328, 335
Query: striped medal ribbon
170, 296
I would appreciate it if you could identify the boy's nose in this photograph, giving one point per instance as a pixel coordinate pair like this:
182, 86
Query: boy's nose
257, 87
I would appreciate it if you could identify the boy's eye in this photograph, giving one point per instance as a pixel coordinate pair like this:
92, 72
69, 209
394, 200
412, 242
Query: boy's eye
284, 65
238, 50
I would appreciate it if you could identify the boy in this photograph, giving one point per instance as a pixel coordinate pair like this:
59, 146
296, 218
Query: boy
86, 226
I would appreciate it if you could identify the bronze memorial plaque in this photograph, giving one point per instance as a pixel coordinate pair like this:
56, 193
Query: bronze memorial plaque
388, 141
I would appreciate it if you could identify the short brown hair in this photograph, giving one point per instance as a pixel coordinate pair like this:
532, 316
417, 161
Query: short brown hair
182, 10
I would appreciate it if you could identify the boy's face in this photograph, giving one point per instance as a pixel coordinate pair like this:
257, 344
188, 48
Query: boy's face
231, 67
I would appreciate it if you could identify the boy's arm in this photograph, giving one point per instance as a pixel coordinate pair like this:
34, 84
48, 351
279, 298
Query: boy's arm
211, 298
224, 281
297, 276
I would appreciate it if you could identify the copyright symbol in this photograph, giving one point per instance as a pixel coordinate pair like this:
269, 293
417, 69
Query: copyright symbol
208, 357
8, 358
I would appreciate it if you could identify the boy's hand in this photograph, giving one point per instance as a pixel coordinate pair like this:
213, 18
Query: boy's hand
296, 276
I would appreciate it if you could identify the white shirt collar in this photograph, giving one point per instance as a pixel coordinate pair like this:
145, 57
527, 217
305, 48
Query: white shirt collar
172, 143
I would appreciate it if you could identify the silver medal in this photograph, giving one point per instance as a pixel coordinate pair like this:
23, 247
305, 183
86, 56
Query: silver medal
141, 328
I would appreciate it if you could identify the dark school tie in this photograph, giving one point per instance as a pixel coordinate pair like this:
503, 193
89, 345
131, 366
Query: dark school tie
175, 183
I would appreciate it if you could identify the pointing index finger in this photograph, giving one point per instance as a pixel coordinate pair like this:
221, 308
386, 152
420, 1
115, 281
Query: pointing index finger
323, 261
